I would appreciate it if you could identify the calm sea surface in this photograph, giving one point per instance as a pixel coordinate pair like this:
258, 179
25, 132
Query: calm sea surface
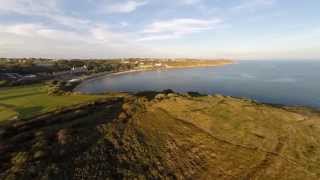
279, 82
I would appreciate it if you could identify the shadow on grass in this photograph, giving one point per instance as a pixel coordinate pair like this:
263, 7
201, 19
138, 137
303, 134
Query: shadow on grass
73, 142
28, 111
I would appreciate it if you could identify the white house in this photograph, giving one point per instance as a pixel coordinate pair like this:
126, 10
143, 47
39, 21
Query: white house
158, 65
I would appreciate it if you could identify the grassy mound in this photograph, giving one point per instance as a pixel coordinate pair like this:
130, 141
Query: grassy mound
169, 137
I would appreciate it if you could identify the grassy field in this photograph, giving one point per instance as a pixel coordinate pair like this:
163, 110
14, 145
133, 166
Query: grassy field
197, 63
170, 137
28, 101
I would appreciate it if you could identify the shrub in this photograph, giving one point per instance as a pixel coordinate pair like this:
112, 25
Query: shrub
60, 87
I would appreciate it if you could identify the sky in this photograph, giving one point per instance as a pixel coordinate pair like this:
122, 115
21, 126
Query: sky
237, 29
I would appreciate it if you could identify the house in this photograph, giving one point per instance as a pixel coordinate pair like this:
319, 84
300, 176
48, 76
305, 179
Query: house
29, 76
82, 69
158, 65
74, 80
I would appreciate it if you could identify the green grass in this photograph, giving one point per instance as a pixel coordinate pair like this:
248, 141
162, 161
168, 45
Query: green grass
2, 82
27, 101
177, 137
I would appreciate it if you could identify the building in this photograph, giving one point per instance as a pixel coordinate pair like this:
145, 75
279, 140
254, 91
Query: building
158, 65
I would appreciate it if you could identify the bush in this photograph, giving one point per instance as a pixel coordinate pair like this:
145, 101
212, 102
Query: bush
195, 94
60, 87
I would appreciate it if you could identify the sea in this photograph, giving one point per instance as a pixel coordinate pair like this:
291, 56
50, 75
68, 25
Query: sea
286, 82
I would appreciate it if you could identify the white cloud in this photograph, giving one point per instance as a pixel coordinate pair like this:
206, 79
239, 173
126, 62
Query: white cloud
253, 4
86, 38
35, 7
55, 30
69, 21
21, 29
40, 31
124, 24
47, 8
125, 7
37, 40
190, 2
102, 34
158, 37
178, 27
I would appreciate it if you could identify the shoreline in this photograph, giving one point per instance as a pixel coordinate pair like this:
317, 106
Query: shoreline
110, 74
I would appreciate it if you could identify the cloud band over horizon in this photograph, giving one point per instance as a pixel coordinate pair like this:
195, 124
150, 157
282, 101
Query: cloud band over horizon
239, 29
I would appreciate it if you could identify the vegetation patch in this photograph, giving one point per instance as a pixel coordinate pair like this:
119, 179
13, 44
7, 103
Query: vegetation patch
28, 101
163, 136
61, 87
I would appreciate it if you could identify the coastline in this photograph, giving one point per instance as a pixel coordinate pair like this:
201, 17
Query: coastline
111, 74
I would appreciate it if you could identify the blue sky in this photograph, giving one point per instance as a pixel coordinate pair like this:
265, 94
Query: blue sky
238, 29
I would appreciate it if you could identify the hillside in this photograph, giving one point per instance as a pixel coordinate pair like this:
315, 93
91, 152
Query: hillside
167, 136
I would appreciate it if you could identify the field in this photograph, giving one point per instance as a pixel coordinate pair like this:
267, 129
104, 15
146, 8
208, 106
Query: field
196, 63
174, 136
27, 101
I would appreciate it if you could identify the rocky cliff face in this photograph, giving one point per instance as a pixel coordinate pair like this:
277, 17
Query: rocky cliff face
167, 136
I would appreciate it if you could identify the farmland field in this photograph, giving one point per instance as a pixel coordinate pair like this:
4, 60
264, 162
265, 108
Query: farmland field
27, 101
